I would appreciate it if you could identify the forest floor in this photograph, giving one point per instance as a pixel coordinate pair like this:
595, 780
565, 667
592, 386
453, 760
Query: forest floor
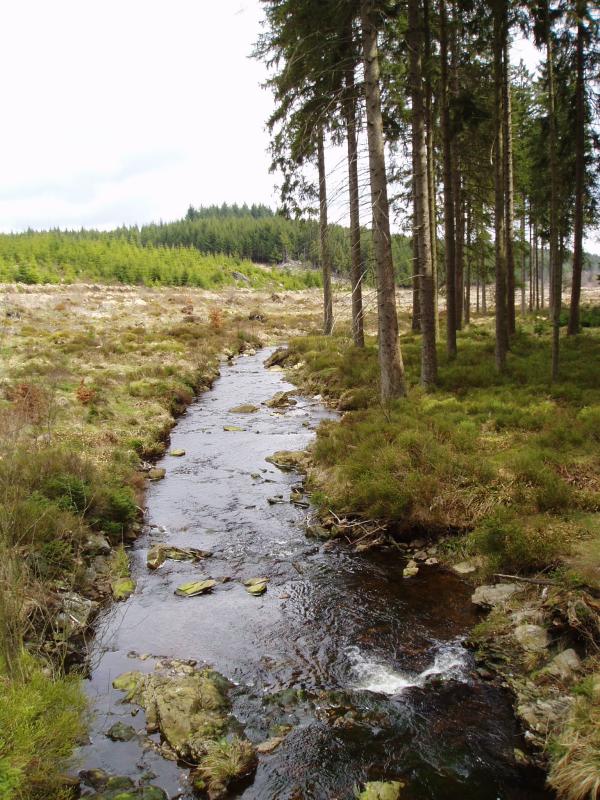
92, 379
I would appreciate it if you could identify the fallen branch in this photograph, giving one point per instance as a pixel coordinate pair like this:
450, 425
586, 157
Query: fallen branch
536, 581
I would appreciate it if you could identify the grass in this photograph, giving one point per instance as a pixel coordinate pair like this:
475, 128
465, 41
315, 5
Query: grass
226, 761
41, 717
511, 457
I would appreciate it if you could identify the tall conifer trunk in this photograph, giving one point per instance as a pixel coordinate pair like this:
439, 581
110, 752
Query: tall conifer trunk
355, 254
429, 128
574, 324
555, 271
508, 183
324, 237
449, 233
499, 219
421, 196
390, 358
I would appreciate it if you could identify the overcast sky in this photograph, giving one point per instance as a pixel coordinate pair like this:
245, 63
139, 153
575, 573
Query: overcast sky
127, 111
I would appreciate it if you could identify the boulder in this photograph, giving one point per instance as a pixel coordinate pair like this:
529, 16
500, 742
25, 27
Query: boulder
281, 400
194, 588
178, 453
76, 614
96, 545
410, 570
190, 709
122, 588
492, 595
564, 665
119, 732
278, 358
464, 568
288, 460
381, 790
157, 473
532, 638
256, 586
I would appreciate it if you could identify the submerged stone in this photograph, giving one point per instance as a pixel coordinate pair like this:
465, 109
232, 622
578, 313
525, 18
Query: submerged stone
381, 790
119, 732
232, 428
270, 744
193, 588
159, 553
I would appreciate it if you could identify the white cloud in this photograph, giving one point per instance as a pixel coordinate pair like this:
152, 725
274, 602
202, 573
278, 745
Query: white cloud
126, 112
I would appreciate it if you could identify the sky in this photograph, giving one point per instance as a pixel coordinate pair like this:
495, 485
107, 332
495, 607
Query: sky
126, 111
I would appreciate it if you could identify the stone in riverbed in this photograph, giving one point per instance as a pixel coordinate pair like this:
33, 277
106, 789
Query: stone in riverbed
410, 570
281, 400
288, 460
119, 732
381, 790
190, 709
159, 553
178, 453
464, 568
245, 408
270, 745
533, 638
122, 588
194, 588
492, 595
256, 586
157, 473
232, 428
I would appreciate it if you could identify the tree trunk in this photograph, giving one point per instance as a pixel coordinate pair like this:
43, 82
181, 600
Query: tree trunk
324, 238
530, 261
449, 234
508, 184
574, 324
542, 291
429, 126
553, 163
499, 226
355, 254
457, 189
416, 300
421, 198
523, 262
390, 357
467, 295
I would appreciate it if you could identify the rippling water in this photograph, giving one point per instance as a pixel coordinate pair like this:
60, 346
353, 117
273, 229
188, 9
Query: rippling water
367, 667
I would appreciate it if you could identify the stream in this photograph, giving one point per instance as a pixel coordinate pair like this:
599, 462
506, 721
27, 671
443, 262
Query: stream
368, 668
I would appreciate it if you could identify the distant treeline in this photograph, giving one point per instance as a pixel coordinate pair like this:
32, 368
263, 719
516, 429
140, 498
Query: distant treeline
203, 249
260, 235
115, 257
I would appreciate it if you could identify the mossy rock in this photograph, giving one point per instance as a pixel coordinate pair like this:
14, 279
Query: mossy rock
226, 762
281, 400
245, 408
177, 453
256, 586
119, 732
288, 460
157, 473
194, 588
381, 790
122, 588
156, 557
232, 428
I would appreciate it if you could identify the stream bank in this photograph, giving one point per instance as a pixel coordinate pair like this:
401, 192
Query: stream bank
360, 675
